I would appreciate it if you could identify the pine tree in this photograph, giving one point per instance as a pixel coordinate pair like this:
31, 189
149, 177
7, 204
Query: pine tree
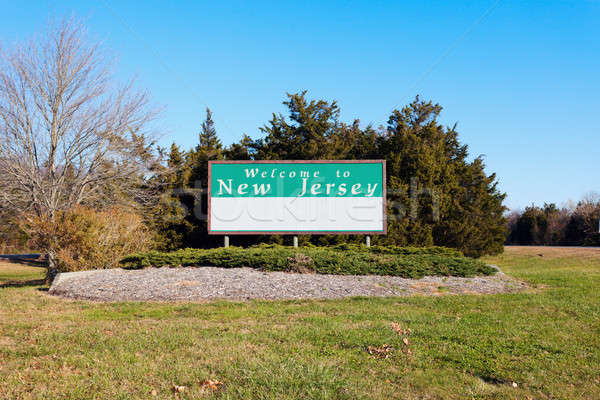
169, 218
195, 198
311, 133
208, 139
178, 170
435, 194
239, 151
209, 148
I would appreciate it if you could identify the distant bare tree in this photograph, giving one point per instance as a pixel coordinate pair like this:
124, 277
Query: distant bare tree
588, 210
68, 134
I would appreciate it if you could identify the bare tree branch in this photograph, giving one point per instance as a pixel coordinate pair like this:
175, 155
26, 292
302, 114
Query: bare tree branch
68, 134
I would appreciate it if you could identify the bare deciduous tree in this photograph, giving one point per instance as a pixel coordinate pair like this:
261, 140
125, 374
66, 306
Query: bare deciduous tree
68, 134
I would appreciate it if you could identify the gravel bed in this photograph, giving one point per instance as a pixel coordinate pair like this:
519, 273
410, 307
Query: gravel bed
209, 283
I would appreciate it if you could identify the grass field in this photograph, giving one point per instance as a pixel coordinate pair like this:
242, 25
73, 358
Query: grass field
546, 342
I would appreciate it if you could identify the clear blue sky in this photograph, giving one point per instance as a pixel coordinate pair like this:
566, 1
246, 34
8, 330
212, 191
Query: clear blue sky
521, 78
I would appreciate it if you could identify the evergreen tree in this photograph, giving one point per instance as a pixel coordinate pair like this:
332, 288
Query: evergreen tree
182, 216
209, 148
208, 139
240, 151
310, 134
178, 170
169, 217
435, 194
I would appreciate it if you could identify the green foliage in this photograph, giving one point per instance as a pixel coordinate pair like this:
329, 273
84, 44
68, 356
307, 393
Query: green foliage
400, 250
209, 148
344, 260
176, 217
178, 174
436, 195
313, 132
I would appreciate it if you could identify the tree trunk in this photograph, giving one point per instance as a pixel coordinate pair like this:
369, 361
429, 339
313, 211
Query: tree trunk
52, 270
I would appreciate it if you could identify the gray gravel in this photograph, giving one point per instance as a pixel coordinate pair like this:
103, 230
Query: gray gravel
209, 283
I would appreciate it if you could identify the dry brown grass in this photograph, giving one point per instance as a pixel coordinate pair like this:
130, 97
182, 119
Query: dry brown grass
15, 267
20, 271
553, 252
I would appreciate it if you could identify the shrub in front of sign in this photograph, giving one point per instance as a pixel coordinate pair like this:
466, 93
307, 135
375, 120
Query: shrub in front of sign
402, 250
325, 260
87, 238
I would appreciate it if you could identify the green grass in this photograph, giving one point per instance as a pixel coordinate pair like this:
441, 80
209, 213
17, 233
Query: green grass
547, 341
407, 262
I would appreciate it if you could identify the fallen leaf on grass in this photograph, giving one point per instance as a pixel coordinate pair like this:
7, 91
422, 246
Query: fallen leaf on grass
69, 369
211, 384
380, 352
178, 389
153, 392
405, 341
398, 329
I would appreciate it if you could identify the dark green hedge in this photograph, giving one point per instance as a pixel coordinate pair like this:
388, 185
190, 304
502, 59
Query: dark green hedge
406, 262
431, 250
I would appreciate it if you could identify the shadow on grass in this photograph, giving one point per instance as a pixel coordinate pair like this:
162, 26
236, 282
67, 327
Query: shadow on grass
15, 277
30, 260
31, 282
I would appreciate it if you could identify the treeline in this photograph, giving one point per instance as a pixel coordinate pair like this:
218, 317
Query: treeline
574, 225
436, 195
